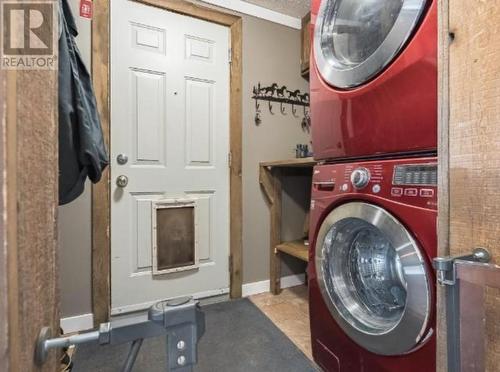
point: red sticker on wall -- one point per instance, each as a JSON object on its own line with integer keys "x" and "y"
{"x": 86, "y": 8}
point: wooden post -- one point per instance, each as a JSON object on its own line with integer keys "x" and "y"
{"x": 270, "y": 181}
{"x": 275, "y": 262}
{"x": 236, "y": 148}
{"x": 101, "y": 194}
{"x": 469, "y": 147}
{"x": 29, "y": 298}
{"x": 443, "y": 174}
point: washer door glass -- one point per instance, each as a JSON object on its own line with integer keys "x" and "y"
{"x": 356, "y": 39}
{"x": 363, "y": 275}
{"x": 373, "y": 278}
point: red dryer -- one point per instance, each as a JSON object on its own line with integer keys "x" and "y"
{"x": 371, "y": 283}
{"x": 374, "y": 78}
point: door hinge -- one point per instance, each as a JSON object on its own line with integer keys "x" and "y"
{"x": 230, "y": 55}
{"x": 229, "y": 159}
{"x": 230, "y": 263}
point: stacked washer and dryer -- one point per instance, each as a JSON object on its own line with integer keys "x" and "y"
{"x": 374, "y": 197}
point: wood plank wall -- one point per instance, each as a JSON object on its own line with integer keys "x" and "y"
{"x": 474, "y": 141}
{"x": 28, "y": 204}
{"x": 29, "y": 252}
{"x": 4, "y": 331}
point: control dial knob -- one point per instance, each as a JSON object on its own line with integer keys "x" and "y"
{"x": 360, "y": 178}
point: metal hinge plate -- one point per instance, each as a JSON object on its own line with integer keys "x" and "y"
{"x": 445, "y": 266}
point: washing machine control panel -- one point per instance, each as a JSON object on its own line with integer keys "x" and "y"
{"x": 360, "y": 178}
{"x": 415, "y": 175}
{"x": 406, "y": 181}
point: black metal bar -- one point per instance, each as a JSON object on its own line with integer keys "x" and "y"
{"x": 180, "y": 320}
{"x": 132, "y": 355}
{"x": 281, "y": 100}
{"x": 446, "y": 276}
{"x": 453, "y": 326}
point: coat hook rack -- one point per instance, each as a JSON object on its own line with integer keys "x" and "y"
{"x": 258, "y": 120}
{"x": 282, "y": 109}
{"x": 270, "y": 107}
{"x": 283, "y": 96}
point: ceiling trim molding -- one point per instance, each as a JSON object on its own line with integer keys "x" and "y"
{"x": 257, "y": 11}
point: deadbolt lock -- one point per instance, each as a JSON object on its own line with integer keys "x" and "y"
{"x": 122, "y": 159}
{"x": 122, "y": 181}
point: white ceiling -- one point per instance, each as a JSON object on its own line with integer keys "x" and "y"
{"x": 285, "y": 12}
{"x": 293, "y": 8}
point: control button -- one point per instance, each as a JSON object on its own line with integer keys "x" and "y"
{"x": 397, "y": 191}
{"x": 427, "y": 193}
{"x": 411, "y": 192}
{"x": 376, "y": 188}
{"x": 360, "y": 178}
{"x": 345, "y": 187}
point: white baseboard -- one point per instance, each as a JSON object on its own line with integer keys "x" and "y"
{"x": 250, "y": 289}
{"x": 86, "y": 321}
{"x": 254, "y": 288}
{"x": 77, "y": 323}
{"x": 293, "y": 280}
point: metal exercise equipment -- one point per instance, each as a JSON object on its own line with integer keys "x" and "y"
{"x": 446, "y": 270}
{"x": 181, "y": 320}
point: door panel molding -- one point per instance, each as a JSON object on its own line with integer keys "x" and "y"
{"x": 101, "y": 202}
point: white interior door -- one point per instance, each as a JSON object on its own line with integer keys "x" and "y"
{"x": 170, "y": 117}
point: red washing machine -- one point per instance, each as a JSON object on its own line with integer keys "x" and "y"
{"x": 371, "y": 283}
{"x": 374, "y": 78}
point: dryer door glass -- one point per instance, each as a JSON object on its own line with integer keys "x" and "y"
{"x": 373, "y": 278}
{"x": 356, "y": 39}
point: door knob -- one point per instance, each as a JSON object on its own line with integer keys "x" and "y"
{"x": 122, "y": 181}
{"x": 122, "y": 159}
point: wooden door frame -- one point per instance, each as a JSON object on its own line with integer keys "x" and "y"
{"x": 101, "y": 201}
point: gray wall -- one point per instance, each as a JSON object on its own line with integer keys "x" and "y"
{"x": 74, "y": 223}
{"x": 271, "y": 53}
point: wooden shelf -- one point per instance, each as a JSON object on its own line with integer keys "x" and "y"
{"x": 271, "y": 175}
{"x": 290, "y": 163}
{"x": 296, "y": 249}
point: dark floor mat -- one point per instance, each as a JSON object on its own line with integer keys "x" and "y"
{"x": 238, "y": 338}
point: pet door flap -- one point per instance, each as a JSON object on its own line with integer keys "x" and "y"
{"x": 174, "y": 240}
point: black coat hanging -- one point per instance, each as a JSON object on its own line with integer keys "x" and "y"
{"x": 82, "y": 152}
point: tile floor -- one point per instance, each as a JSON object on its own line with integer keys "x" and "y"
{"x": 290, "y": 312}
